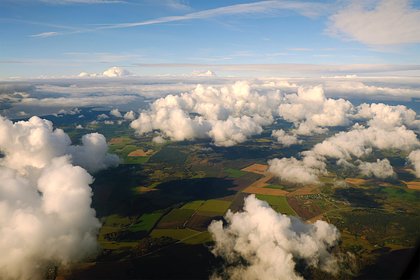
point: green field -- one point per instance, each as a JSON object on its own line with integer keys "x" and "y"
{"x": 279, "y": 203}
{"x": 146, "y": 222}
{"x": 279, "y": 187}
{"x": 178, "y": 234}
{"x": 135, "y": 160}
{"x": 214, "y": 206}
{"x": 166, "y": 201}
{"x": 177, "y": 216}
{"x": 234, "y": 173}
{"x": 403, "y": 194}
{"x": 194, "y": 205}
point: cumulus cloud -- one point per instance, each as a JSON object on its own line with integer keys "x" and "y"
{"x": 305, "y": 171}
{"x": 228, "y": 115}
{"x": 387, "y": 127}
{"x": 414, "y": 158}
{"x": 311, "y": 112}
{"x": 207, "y": 73}
{"x": 115, "y": 72}
{"x": 379, "y": 169}
{"x": 384, "y": 22}
{"x": 129, "y": 116}
{"x": 360, "y": 141}
{"x": 260, "y": 243}
{"x": 93, "y": 153}
{"x": 45, "y": 213}
{"x": 387, "y": 117}
{"x": 102, "y": 117}
{"x": 116, "y": 113}
{"x": 286, "y": 139}
{"x": 86, "y": 75}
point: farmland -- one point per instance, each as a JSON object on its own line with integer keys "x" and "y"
{"x": 160, "y": 201}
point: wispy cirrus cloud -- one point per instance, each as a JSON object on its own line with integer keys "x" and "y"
{"x": 45, "y": 34}
{"x": 307, "y": 9}
{"x": 64, "y": 2}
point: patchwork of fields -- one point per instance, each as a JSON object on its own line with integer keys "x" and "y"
{"x": 164, "y": 196}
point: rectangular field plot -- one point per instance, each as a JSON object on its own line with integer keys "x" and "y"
{"x": 146, "y": 222}
{"x": 234, "y": 173}
{"x": 214, "y": 207}
{"x": 279, "y": 203}
{"x": 194, "y": 205}
{"x": 177, "y": 218}
{"x": 184, "y": 235}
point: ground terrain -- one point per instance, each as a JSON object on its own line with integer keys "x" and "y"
{"x": 156, "y": 206}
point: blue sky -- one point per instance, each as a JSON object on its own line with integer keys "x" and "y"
{"x": 65, "y": 37}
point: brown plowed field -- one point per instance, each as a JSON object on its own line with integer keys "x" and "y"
{"x": 413, "y": 185}
{"x": 256, "y": 168}
{"x": 140, "y": 153}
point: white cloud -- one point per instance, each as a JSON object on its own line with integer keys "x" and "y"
{"x": 93, "y": 153}
{"x": 81, "y": 101}
{"x": 130, "y": 115}
{"x": 311, "y": 112}
{"x": 286, "y": 139}
{"x": 305, "y": 171}
{"x": 45, "y": 213}
{"x": 86, "y": 74}
{"x": 379, "y": 169}
{"x": 115, "y": 72}
{"x": 228, "y": 115}
{"x": 387, "y": 117}
{"x": 116, "y": 113}
{"x": 260, "y": 243}
{"x": 102, "y": 117}
{"x": 234, "y": 130}
{"x": 261, "y": 7}
{"x": 63, "y": 2}
{"x": 414, "y": 158}
{"x": 384, "y": 22}
{"x": 207, "y": 73}
{"x": 360, "y": 141}
{"x": 349, "y": 87}
{"x": 386, "y": 129}
{"x": 45, "y": 34}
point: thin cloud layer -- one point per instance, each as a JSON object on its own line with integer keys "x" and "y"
{"x": 260, "y": 243}
{"x": 45, "y": 199}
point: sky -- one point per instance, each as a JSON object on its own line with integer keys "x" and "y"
{"x": 56, "y": 38}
